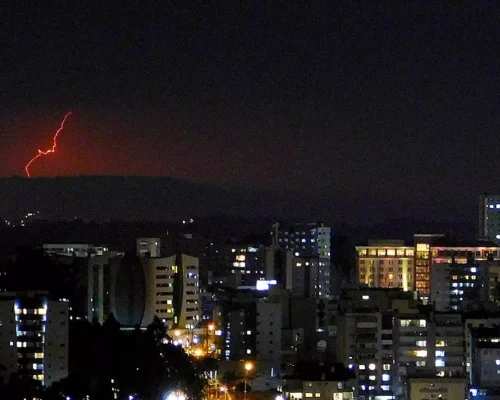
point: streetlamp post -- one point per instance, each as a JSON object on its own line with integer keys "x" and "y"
{"x": 248, "y": 367}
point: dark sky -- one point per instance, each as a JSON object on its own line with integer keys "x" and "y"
{"x": 396, "y": 104}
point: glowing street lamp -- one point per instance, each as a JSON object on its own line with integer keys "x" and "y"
{"x": 248, "y": 367}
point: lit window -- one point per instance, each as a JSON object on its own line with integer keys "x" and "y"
{"x": 440, "y": 343}
{"x": 366, "y": 297}
{"x": 372, "y": 377}
{"x": 385, "y": 388}
{"x": 386, "y": 367}
{"x": 42, "y": 311}
{"x": 372, "y": 367}
{"x": 422, "y": 343}
{"x": 440, "y": 353}
{"x": 420, "y": 353}
{"x": 309, "y": 395}
{"x": 362, "y": 367}
{"x": 439, "y": 363}
{"x": 249, "y": 351}
{"x": 386, "y": 377}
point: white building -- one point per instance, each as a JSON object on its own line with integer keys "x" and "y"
{"x": 148, "y": 246}
{"x": 172, "y": 290}
{"x": 34, "y": 337}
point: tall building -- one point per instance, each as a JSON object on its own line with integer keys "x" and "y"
{"x": 136, "y": 289}
{"x": 427, "y": 343}
{"x": 423, "y": 262}
{"x": 485, "y": 357}
{"x": 173, "y": 293}
{"x": 461, "y": 275}
{"x": 489, "y": 217}
{"x": 308, "y": 240}
{"x": 305, "y": 277}
{"x": 99, "y": 286}
{"x": 33, "y": 337}
{"x": 386, "y": 264}
{"x": 148, "y": 247}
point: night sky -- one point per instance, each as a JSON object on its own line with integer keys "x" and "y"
{"x": 396, "y": 104}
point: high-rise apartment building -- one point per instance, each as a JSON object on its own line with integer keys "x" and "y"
{"x": 99, "y": 286}
{"x": 136, "y": 289}
{"x": 33, "y": 337}
{"x": 148, "y": 247}
{"x": 309, "y": 240}
{"x": 461, "y": 275}
{"x": 489, "y": 217}
{"x": 172, "y": 288}
{"x": 386, "y": 264}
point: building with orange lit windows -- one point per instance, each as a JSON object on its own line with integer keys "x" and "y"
{"x": 386, "y": 264}
{"x": 423, "y": 262}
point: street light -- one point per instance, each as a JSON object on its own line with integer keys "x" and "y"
{"x": 248, "y": 367}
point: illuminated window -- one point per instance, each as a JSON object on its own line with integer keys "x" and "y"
{"x": 366, "y": 297}
{"x": 421, "y": 363}
{"x": 386, "y": 377}
{"x": 362, "y": 367}
{"x": 386, "y": 367}
{"x": 240, "y": 258}
{"x": 42, "y": 311}
{"x": 385, "y": 388}
{"x": 381, "y": 252}
{"x": 317, "y": 394}
{"x": 440, "y": 353}
{"x": 439, "y": 362}
{"x": 420, "y": 353}
{"x": 372, "y": 377}
{"x": 372, "y": 367}
{"x": 362, "y": 252}
{"x": 422, "y": 343}
{"x": 309, "y": 395}
{"x": 391, "y": 252}
{"x": 440, "y": 343}
{"x": 440, "y": 373}
{"x": 391, "y": 276}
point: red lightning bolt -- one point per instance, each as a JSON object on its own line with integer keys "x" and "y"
{"x": 52, "y": 150}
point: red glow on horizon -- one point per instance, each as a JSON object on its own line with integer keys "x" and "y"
{"x": 51, "y": 150}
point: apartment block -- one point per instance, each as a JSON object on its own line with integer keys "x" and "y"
{"x": 34, "y": 337}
